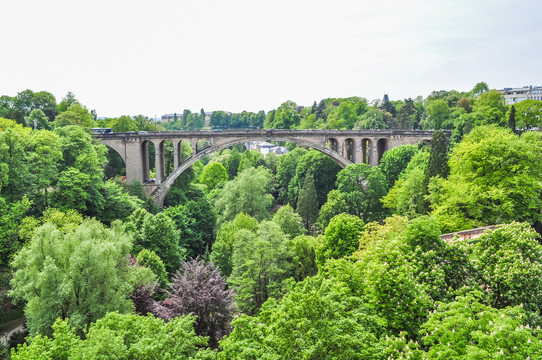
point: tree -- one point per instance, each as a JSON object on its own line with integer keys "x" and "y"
{"x": 81, "y": 172}
{"x": 123, "y": 124}
{"x": 117, "y": 336}
{"x": 247, "y": 193}
{"x": 225, "y": 239}
{"x": 334, "y": 205}
{"x": 303, "y": 250}
{"x": 341, "y": 238}
{"x": 45, "y": 154}
{"x": 200, "y": 290}
{"x": 464, "y": 103}
{"x": 214, "y": 175}
{"x": 289, "y": 221}
{"x": 479, "y": 89}
{"x": 232, "y": 163}
{"x": 285, "y": 117}
{"x": 307, "y": 203}
{"x": 389, "y": 280}
{"x": 512, "y": 119}
{"x": 324, "y": 171}
{"x": 362, "y": 187}
{"x": 149, "y": 259}
{"x": 38, "y": 120}
{"x": 80, "y": 275}
{"x": 260, "y": 265}
{"x": 438, "y": 158}
{"x": 66, "y": 102}
{"x": 395, "y": 160}
{"x": 438, "y": 115}
{"x": 343, "y": 117}
{"x": 76, "y": 114}
{"x": 510, "y": 260}
{"x": 465, "y": 328}
{"x": 286, "y": 169}
{"x": 195, "y": 221}
{"x": 373, "y": 119}
{"x": 158, "y": 233}
{"x": 14, "y": 141}
{"x": 493, "y": 179}
{"x": 318, "y": 319}
{"x": 528, "y": 113}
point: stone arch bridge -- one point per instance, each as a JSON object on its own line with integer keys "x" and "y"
{"x": 343, "y": 146}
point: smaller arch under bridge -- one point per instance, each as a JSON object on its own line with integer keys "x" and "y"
{"x": 344, "y": 146}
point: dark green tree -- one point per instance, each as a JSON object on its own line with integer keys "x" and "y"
{"x": 438, "y": 158}
{"x": 307, "y": 203}
{"x": 512, "y": 119}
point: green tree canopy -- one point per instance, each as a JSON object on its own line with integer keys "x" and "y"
{"x": 117, "y": 336}
{"x": 494, "y": 178}
{"x": 80, "y": 275}
{"x": 248, "y": 193}
{"x": 214, "y": 175}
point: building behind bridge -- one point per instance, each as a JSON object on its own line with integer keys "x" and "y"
{"x": 516, "y": 95}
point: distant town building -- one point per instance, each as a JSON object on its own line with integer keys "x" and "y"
{"x": 516, "y": 95}
{"x": 171, "y": 117}
{"x": 266, "y": 148}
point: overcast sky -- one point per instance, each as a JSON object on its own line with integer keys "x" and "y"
{"x": 155, "y": 57}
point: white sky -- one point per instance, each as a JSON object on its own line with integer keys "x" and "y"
{"x": 154, "y": 57}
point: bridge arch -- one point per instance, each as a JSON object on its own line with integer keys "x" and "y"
{"x": 161, "y": 191}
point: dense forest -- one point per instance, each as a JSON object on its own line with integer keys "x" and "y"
{"x": 275, "y": 257}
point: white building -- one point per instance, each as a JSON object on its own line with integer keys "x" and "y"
{"x": 516, "y": 95}
{"x": 266, "y": 148}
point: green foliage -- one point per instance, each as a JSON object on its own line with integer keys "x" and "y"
{"x": 14, "y": 167}
{"x": 494, "y": 178}
{"x": 423, "y": 232}
{"x": 118, "y": 336}
{"x": 438, "y": 115}
{"x": 232, "y": 163}
{"x": 438, "y": 157}
{"x": 334, "y": 205}
{"x": 467, "y": 329}
{"x": 390, "y": 281}
{"x": 286, "y": 169}
{"x": 317, "y": 319}
{"x": 260, "y": 264}
{"x": 285, "y": 117}
{"x": 307, "y": 203}
{"x": 373, "y": 119}
{"x": 341, "y": 238}
{"x": 195, "y": 221}
{"x": 148, "y": 258}
{"x": 323, "y": 169}
{"x": 38, "y": 120}
{"x": 343, "y": 117}
{"x": 123, "y": 124}
{"x": 303, "y": 251}
{"x": 159, "y": 234}
{"x": 80, "y": 275}
{"x": 214, "y": 175}
{"x": 395, "y": 161}
{"x": 362, "y": 186}
{"x": 527, "y": 114}
{"x": 510, "y": 262}
{"x": 119, "y": 203}
{"x": 222, "y": 252}
{"x": 247, "y": 193}
{"x": 11, "y": 218}
{"x": 289, "y": 221}
{"x": 76, "y": 114}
